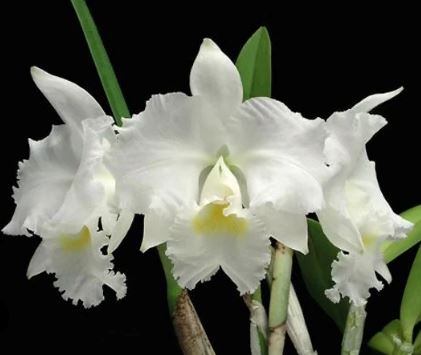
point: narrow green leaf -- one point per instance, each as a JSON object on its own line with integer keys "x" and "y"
{"x": 316, "y": 271}
{"x": 392, "y": 249}
{"x": 254, "y": 65}
{"x": 383, "y": 341}
{"x": 102, "y": 62}
{"x": 413, "y": 214}
{"x": 411, "y": 301}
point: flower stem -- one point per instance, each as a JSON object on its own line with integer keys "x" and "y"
{"x": 258, "y": 323}
{"x": 402, "y": 347}
{"x": 296, "y": 326}
{"x": 102, "y": 62}
{"x": 191, "y": 336}
{"x": 173, "y": 290}
{"x": 279, "y": 295}
{"x": 354, "y": 329}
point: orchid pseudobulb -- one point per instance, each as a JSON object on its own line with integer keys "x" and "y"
{"x": 216, "y": 177}
{"x": 64, "y": 189}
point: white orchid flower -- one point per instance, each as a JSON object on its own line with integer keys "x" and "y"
{"x": 216, "y": 177}
{"x": 64, "y": 188}
{"x": 356, "y": 217}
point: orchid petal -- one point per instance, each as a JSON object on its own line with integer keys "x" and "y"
{"x": 372, "y": 101}
{"x": 280, "y": 154}
{"x": 39, "y": 261}
{"x": 72, "y": 103}
{"x": 197, "y": 256}
{"x": 44, "y": 180}
{"x": 215, "y": 78}
{"x": 354, "y": 274}
{"x": 356, "y": 212}
{"x": 158, "y": 220}
{"x": 79, "y": 266}
{"x": 120, "y": 230}
{"x": 368, "y": 207}
{"x": 348, "y": 134}
{"x": 288, "y": 228}
{"x": 87, "y": 194}
{"x": 163, "y": 151}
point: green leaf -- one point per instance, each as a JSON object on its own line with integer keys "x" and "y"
{"x": 392, "y": 249}
{"x": 383, "y": 341}
{"x": 411, "y": 301}
{"x": 316, "y": 271}
{"x": 257, "y": 296}
{"x": 102, "y": 62}
{"x": 254, "y": 65}
{"x": 413, "y": 214}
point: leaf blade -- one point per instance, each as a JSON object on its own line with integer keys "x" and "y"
{"x": 410, "y": 312}
{"x": 255, "y": 65}
{"x": 102, "y": 62}
{"x": 392, "y": 249}
{"x": 315, "y": 268}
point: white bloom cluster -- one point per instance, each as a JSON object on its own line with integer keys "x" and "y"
{"x": 215, "y": 177}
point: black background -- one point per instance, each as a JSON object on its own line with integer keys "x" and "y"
{"x": 324, "y": 59}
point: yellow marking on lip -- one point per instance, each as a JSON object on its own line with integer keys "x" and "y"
{"x": 211, "y": 221}
{"x": 76, "y": 242}
{"x": 369, "y": 241}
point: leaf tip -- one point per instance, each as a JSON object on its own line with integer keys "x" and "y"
{"x": 264, "y": 30}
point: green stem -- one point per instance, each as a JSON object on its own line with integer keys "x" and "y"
{"x": 258, "y": 322}
{"x": 296, "y": 326}
{"x": 279, "y": 295}
{"x": 262, "y": 327}
{"x": 173, "y": 290}
{"x": 403, "y": 349}
{"x": 102, "y": 62}
{"x": 354, "y": 329}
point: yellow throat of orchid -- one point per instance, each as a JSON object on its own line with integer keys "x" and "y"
{"x": 221, "y": 204}
{"x": 76, "y": 242}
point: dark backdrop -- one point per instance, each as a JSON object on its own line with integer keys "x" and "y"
{"x": 324, "y": 59}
